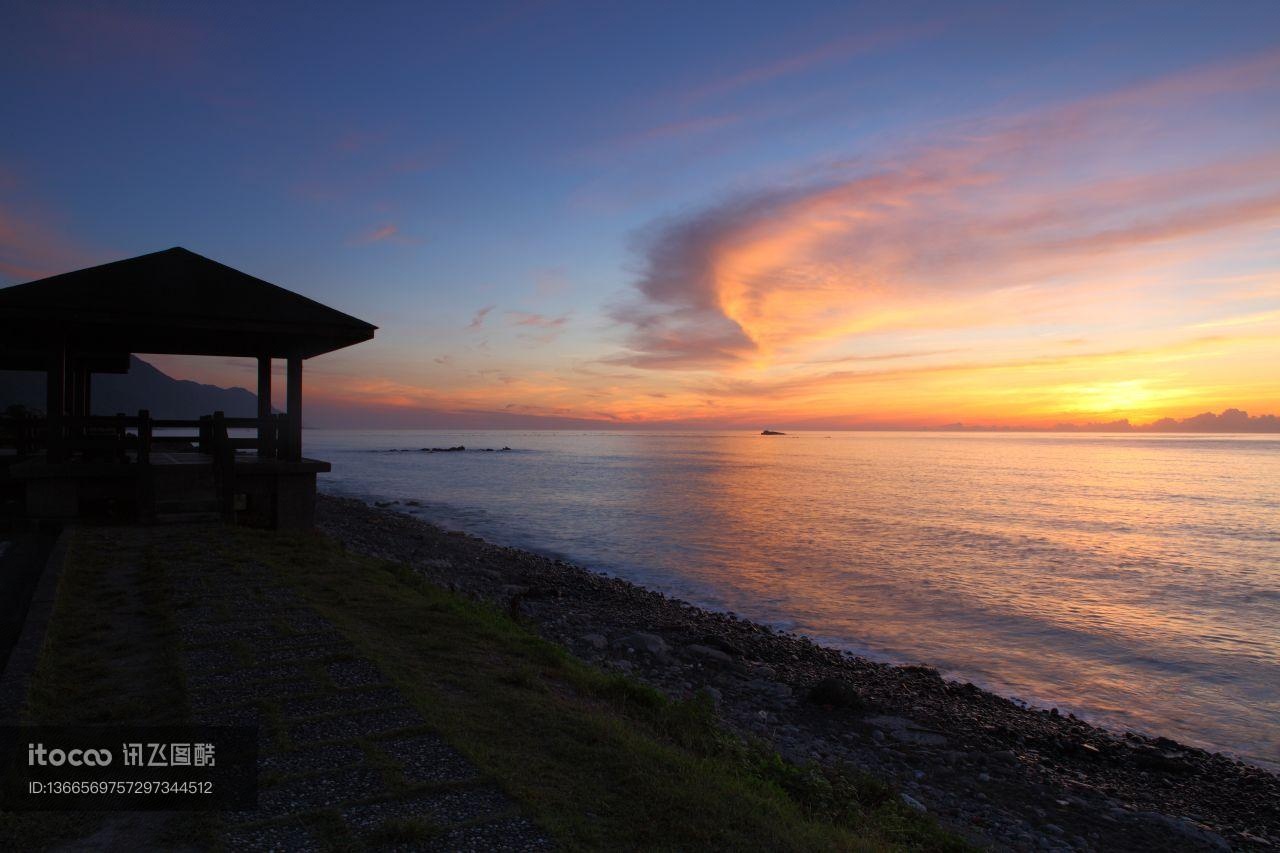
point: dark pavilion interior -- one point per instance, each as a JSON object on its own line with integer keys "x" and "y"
{"x": 68, "y": 462}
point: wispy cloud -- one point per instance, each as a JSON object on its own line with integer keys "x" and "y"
{"x": 674, "y": 130}
{"x": 549, "y": 328}
{"x": 362, "y": 166}
{"x": 713, "y": 105}
{"x": 478, "y": 319}
{"x": 842, "y": 49}
{"x": 389, "y": 233}
{"x": 525, "y": 318}
{"x": 1254, "y": 319}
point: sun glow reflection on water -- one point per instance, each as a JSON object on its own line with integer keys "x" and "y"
{"x": 1132, "y": 580}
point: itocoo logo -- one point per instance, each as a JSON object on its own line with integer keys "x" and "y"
{"x": 37, "y": 754}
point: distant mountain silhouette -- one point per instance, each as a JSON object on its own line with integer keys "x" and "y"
{"x": 143, "y": 387}
{"x": 1231, "y": 420}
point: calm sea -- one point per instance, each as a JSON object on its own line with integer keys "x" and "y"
{"x": 1132, "y": 580}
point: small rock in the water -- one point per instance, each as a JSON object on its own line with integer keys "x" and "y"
{"x": 771, "y": 432}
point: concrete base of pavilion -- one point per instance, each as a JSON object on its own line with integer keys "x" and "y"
{"x": 174, "y": 486}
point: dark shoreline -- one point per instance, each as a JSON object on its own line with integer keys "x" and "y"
{"x": 1001, "y": 772}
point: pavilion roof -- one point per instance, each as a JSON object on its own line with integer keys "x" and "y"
{"x": 173, "y": 301}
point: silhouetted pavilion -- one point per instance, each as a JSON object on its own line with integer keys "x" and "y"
{"x": 74, "y": 325}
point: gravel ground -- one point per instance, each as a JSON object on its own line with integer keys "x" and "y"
{"x": 337, "y": 739}
{"x": 1002, "y": 774}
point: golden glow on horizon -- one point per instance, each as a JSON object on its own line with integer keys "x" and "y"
{"x": 1143, "y": 385}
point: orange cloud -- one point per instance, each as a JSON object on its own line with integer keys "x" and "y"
{"x": 1024, "y": 215}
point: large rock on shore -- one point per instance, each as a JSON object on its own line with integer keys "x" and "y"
{"x": 836, "y": 693}
{"x": 906, "y": 731}
{"x": 708, "y": 655}
{"x": 649, "y": 644}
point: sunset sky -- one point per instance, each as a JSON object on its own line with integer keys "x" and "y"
{"x": 784, "y": 215}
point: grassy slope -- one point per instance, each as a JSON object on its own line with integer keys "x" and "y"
{"x": 599, "y": 760}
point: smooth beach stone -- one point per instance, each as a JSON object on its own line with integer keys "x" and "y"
{"x": 912, "y": 802}
{"x": 708, "y": 654}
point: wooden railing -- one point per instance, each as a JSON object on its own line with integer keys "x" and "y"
{"x": 135, "y": 437}
{"x": 130, "y": 439}
{"x": 24, "y": 433}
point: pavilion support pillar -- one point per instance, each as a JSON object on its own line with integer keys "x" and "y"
{"x": 294, "y": 394}
{"x": 55, "y": 398}
{"x": 77, "y": 399}
{"x": 71, "y": 388}
{"x": 266, "y": 435}
{"x": 86, "y": 391}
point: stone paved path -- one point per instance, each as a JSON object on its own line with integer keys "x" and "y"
{"x": 344, "y": 760}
